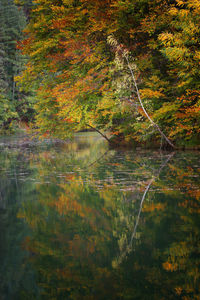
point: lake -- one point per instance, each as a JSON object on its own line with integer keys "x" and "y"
{"x": 81, "y": 221}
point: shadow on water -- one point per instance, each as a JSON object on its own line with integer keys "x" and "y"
{"x": 80, "y": 221}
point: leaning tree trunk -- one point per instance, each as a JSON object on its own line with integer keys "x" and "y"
{"x": 143, "y": 108}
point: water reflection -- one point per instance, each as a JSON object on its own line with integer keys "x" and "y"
{"x": 86, "y": 222}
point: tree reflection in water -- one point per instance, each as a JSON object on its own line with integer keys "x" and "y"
{"x": 87, "y": 215}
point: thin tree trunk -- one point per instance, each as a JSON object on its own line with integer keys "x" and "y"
{"x": 143, "y": 108}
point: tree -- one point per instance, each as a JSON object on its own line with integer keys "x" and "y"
{"x": 12, "y": 106}
{"x": 77, "y": 71}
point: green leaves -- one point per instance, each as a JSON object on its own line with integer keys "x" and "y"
{"x": 77, "y": 65}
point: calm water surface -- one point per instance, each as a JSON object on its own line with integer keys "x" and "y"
{"x": 80, "y": 221}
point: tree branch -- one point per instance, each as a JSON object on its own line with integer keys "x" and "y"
{"x": 103, "y": 135}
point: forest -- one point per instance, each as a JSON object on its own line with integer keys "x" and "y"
{"x": 128, "y": 69}
{"x": 96, "y": 96}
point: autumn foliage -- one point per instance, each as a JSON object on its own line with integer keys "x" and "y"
{"x": 80, "y": 80}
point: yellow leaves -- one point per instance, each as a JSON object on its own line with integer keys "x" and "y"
{"x": 58, "y": 9}
{"x": 190, "y": 30}
{"x": 167, "y": 108}
{"x": 107, "y": 106}
{"x": 195, "y": 4}
{"x": 173, "y": 11}
{"x": 180, "y": 128}
{"x": 184, "y": 13}
{"x": 187, "y": 27}
{"x": 175, "y": 53}
{"x": 166, "y": 38}
{"x": 149, "y": 93}
{"x": 180, "y": 2}
{"x": 106, "y": 103}
{"x": 26, "y": 79}
{"x": 179, "y": 13}
{"x": 42, "y": 48}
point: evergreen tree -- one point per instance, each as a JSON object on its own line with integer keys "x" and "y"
{"x": 13, "y": 21}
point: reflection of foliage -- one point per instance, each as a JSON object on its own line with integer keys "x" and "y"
{"x": 81, "y": 215}
{"x": 181, "y": 255}
{"x": 73, "y": 238}
{"x": 86, "y": 221}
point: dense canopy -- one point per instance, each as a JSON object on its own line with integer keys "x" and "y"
{"x": 83, "y": 58}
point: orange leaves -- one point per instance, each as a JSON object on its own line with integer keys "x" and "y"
{"x": 166, "y": 38}
{"x": 189, "y": 113}
{"x": 169, "y": 266}
{"x": 22, "y": 45}
{"x": 74, "y": 50}
{"x": 149, "y": 93}
{"x": 60, "y": 23}
{"x": 68, "y": 48}
{"x": 183, "y": 114}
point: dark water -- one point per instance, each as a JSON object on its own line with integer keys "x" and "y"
{"x": 80, "y": 221}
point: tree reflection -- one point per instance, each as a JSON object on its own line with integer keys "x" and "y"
{"x": 82, "y": 224}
